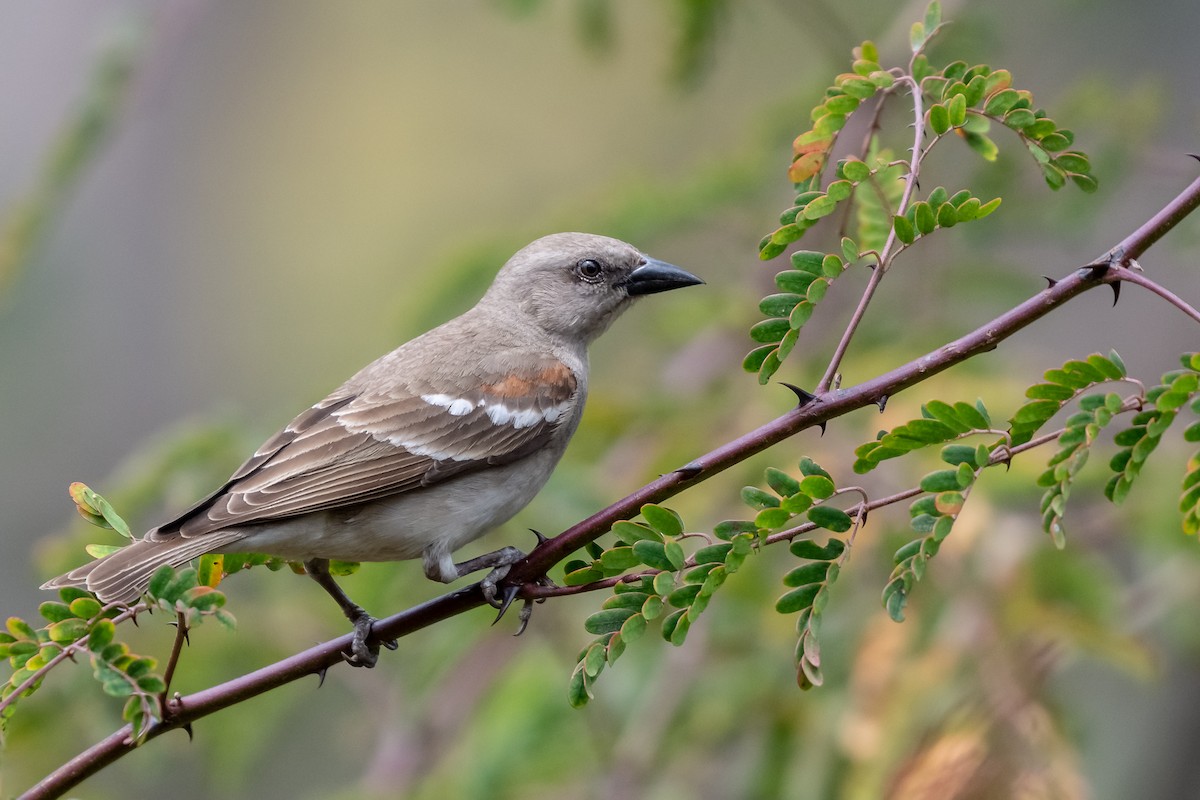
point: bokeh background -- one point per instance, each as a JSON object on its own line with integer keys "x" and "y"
{"x": 214, "y": 212}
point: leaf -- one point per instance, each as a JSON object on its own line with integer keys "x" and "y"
{"x": 807, "y": 573}
{"x": 607, "y": 620}
{"x": 818, "y": 487}
{"x": 769, "y": 330}
{"x": 807, "y": 548}
{"x": 781, "y": 483}
{"x": 653, "y": 554}
{"x": 665, "y": 521}
{"x": 833, "y": 519}
{"x": 797, "y": 599}
{"x": 631, "y": 532}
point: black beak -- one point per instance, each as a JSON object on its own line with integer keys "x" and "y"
{"x": 658, "y": 276}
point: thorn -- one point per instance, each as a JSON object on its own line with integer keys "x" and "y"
{"x": 1193, "y": 155}
{"x": 804, "y": 397}
{"x": 321, "y": 675}
{"x": 1050, "y": 282}
{"x": 1098, "y": 271}
{"x": 541, "y": 537}
{"x": 390, "y": 644}
{"x": 822, "y": 426}
{"x": 862, "y": 516}
{"x": 882, "y": 402}
{"x": 510, "y": 594}
{"x": 187, "y": 728}
{"x": 689, "y": 470}
{"x": 1116, "y": 287}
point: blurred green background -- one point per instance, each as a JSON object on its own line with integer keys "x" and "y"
{"x": 253, "y": 200}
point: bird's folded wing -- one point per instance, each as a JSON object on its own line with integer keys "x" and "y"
{"x": 359, "y": 446}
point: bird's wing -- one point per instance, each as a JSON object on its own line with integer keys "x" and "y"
{"x": 354, "y": 447}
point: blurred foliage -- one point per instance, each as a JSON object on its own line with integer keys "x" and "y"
{"x": 94, "y": 117}
{"x": 697, "y": 25}
{"x": 1010, "y": 663}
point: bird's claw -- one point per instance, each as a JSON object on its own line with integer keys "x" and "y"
{"x": 509, "y": 594}
{"x": 501, "y": 595}
{"x": 363, "y": 651}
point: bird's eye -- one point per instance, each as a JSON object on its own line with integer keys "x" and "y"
{"x": 589, "y": 269}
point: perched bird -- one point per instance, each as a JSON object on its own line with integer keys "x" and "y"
{"x": 426, "y": 448}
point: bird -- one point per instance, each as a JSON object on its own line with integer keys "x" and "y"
{"x": 426, "y": 448}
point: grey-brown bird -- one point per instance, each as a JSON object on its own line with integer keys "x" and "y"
{"x": 424, "y": 449}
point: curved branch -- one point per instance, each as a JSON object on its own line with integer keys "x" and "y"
{"x": 1130, "y": 276}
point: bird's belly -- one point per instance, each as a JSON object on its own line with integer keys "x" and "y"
{"x": 400, "y": 527}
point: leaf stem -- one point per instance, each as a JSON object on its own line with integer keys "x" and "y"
{"x": 910, "y": 184}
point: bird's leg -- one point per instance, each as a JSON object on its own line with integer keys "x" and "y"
{"x": 500, "y": 562}
{"x": 439, "y": 566}
{"x": 364, "y": 652}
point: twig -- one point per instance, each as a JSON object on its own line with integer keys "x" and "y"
{"x": 77, "y": 646}
{"x": 910, "y": 184}
{"x": 1130, "y": 276}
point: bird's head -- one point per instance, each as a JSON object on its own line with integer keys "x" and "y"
{"x": 575, "y": 284}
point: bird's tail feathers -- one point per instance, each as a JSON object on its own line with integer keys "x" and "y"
{"x": 123, "y": 576}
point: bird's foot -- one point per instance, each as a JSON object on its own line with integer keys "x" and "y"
{"x": 364, "y": 652}
{"x": 498, "y": 594}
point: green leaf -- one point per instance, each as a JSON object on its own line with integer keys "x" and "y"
{"x": 985, "y": 147}
{"x": 782, "y": 483}
{"x": 619, "y": 559}
{"x": 68, "y": 630}
{"x": 939, "y": 118}
{"x": 933, "y": 16}
{"x": 818, "y": 487}
{"x": 807, "y": 573}
{"x": 54, "y": 611}
{"x": 631, "y": 532}
{"x": 664, "y": 584}
{"x": 833, "y": 519}
{"x": 957, "y": 109}
{"x": 924, "y": 218}
{"x": 797, "y": 599}
{"x": 770, "y": 518}
{"x": 904, "y": 229}
{"x": 662, "y": 519}
{"x": 807, "y": 548}
{"x": 769, "y": 330}
{"x": 855, "y": 170}
{"x": 820, "y": 207}
{"x": 653, "y": 554}
{"x": 101, "y": 635}
{"x": 802, "y": 312}
{"x": 160, "y": 580}
{"x": 916, "y": 37}
{"x": 940, "y": 481}
{"x": 608, "y": 620}
{"x": 577, "y": 692}
{"x": 755, "y": 358}
{"x": 757, "y": 498}
{"x": 779, "y": 305}
{"x": 582, "y": 576}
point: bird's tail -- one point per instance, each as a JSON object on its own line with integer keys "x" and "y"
{"x": 123, "y": 576}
